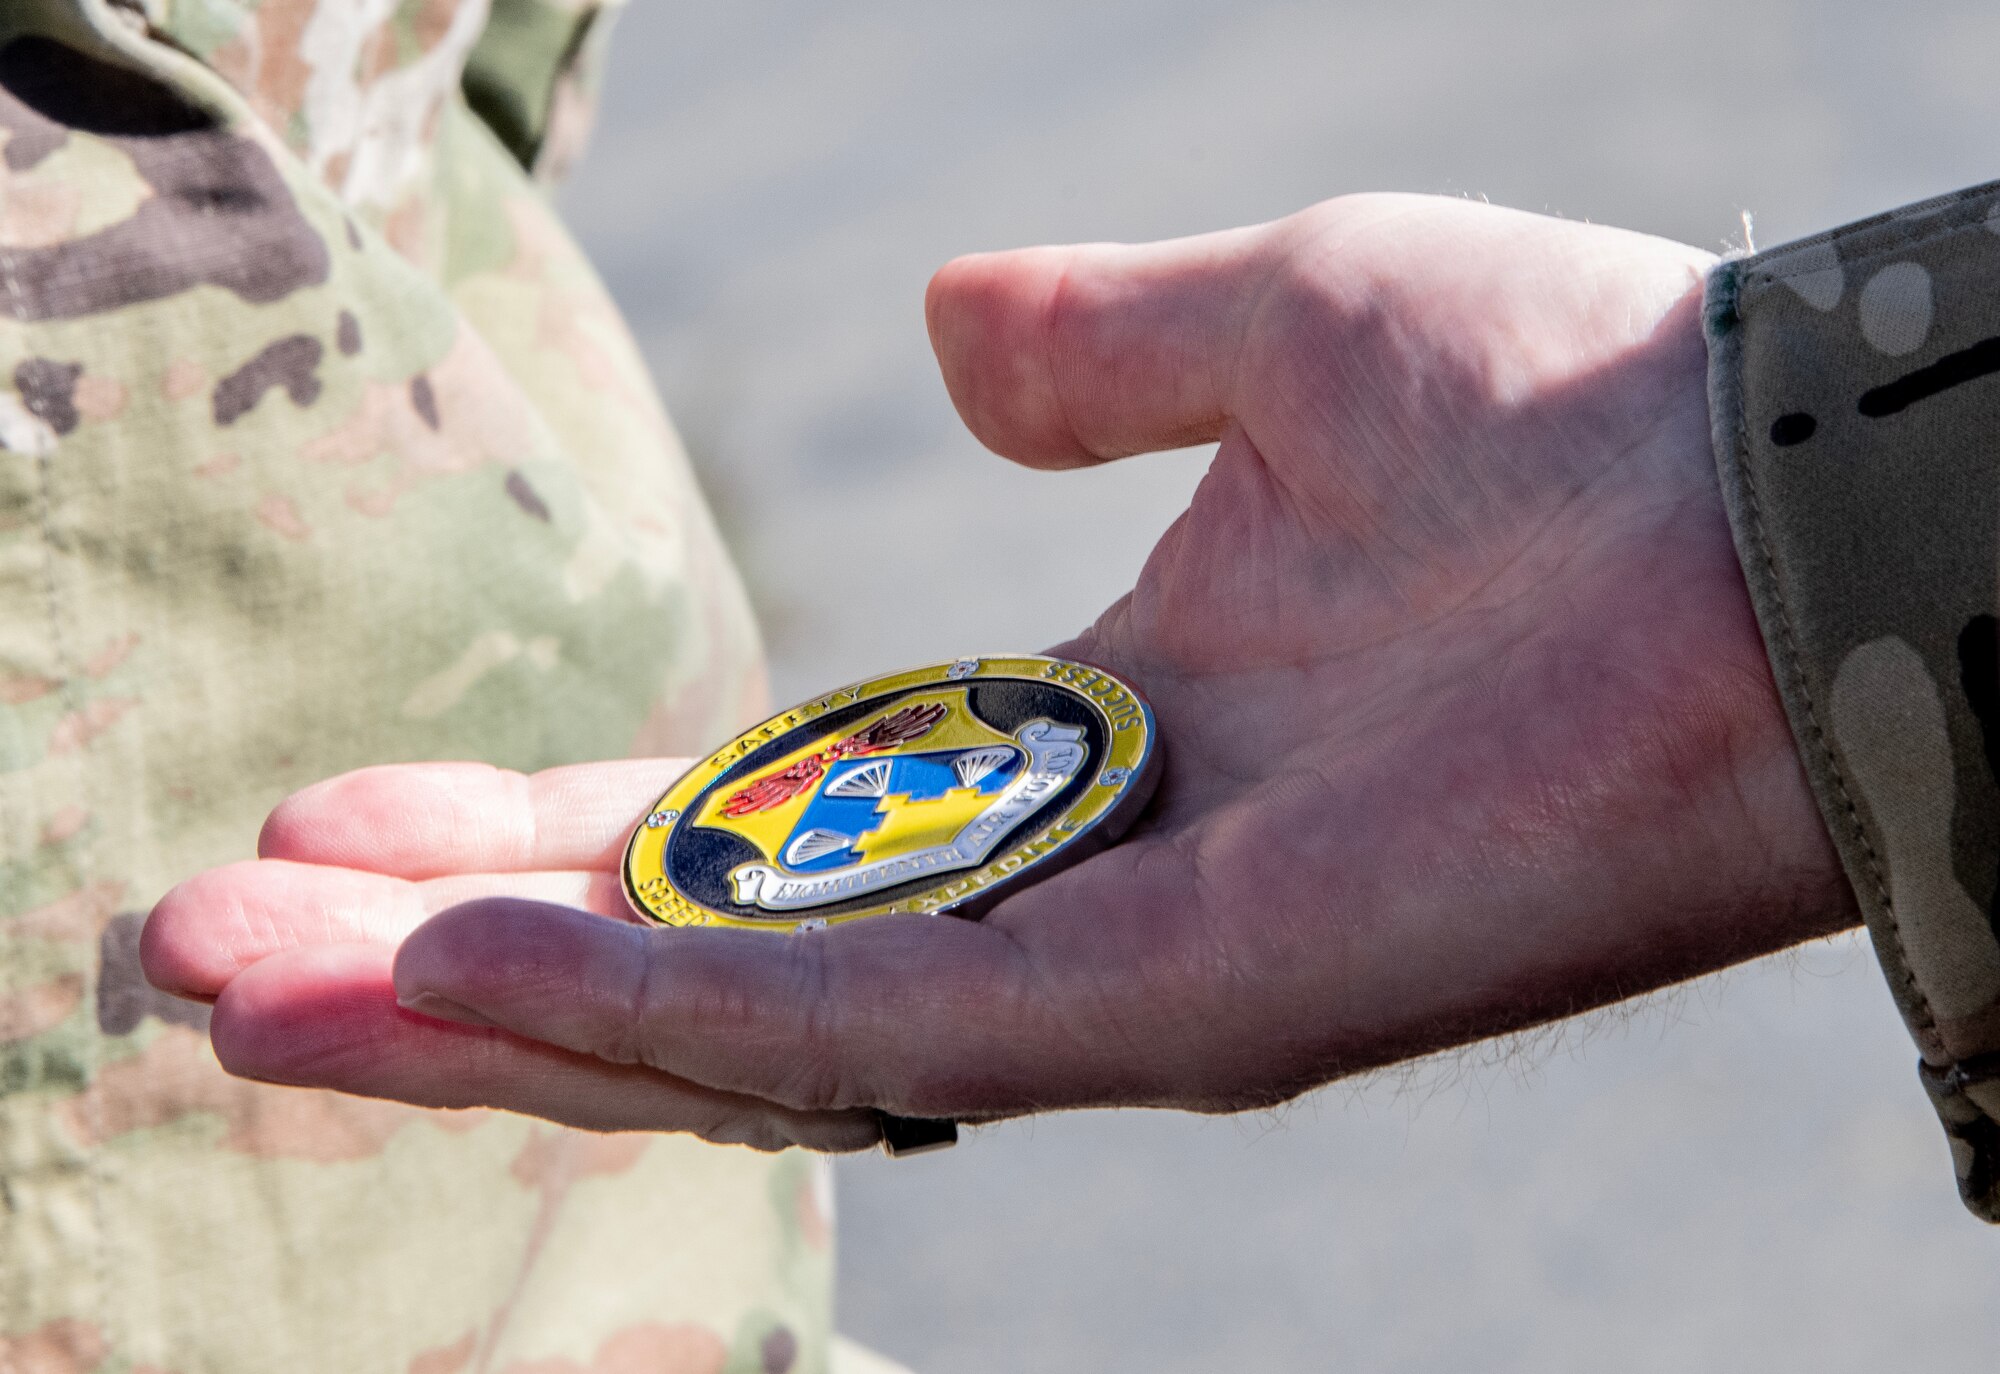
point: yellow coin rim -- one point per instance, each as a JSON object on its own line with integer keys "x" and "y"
{"x": 1128, "y": 726}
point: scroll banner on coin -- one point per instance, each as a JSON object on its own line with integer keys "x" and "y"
{"x": 1055, "y": 754}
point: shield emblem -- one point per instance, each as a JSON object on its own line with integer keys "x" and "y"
{"x": 921, "y": 786}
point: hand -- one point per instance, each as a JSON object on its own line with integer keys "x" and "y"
{"x": 296, "y": 949}
{"x": 1468, "y": 726}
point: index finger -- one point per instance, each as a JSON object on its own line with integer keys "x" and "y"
{"x": 432, "y": 820}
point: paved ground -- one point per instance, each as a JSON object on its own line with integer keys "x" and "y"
{"x": 1742, "y": 1177}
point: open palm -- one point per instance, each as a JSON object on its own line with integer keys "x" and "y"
{"x": 1467, "y": 724}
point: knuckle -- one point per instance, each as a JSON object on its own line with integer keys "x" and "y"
{"x": 737, "y": 1012}
{"x": 769, "y": 1131}
{"x": 755, "y": 1130}
{"x": 812, "y": 1077}
{"x": 641, "y": 1035}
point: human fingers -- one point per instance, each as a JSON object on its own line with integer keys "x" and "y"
{"x": 1060, "y": 357}
{"x": 924, "y": 1016}
{"x": 327, "y": 1018}
{"x": 216, "y": 924}
{"x": 429, "y": 820}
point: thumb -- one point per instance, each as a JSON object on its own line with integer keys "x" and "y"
{"x": 1060, "y": 357}
{"x": 924, "y": 1015}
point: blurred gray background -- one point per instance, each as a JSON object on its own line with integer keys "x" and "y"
{"x": 1740, "y": 1176}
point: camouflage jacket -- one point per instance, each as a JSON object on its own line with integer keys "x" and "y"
{"x": 1855, "y": 403}
{"x": 319, "y": 446}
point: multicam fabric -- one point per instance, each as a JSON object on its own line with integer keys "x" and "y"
{"x": 321, "y": 446}
{"x": 1855, "y": 394}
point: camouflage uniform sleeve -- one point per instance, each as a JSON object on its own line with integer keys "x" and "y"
{"x": 533, "y": 77}
{"x": 1853, "y": 386}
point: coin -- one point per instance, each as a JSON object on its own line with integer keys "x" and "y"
{"x": 935, "y": 791}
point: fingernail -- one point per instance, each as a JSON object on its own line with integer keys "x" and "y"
{"x": 442, "y": 1009}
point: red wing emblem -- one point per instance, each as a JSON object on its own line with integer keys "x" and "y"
{"x": 775, "y": 789}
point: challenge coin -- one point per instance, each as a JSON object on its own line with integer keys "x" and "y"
{"x": 934, "y": 791}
